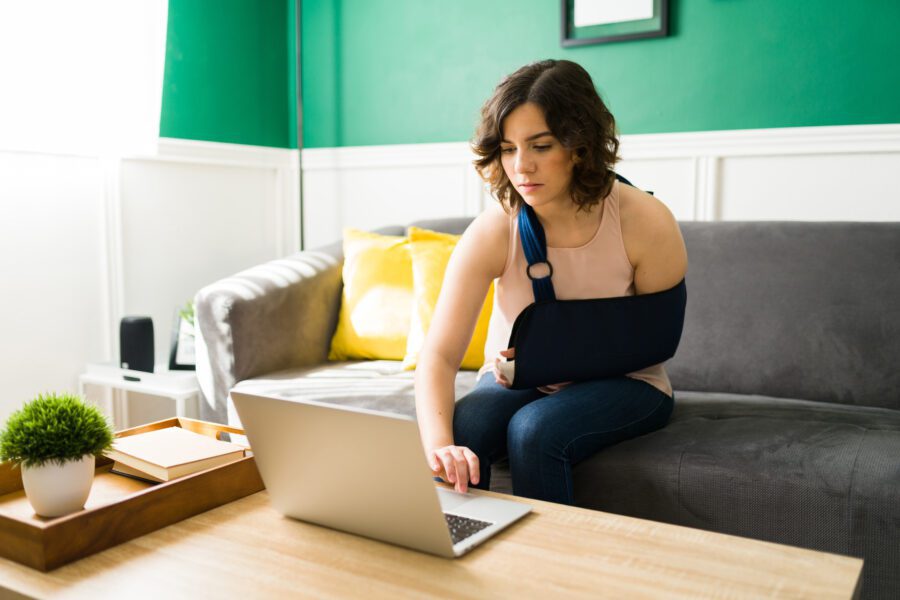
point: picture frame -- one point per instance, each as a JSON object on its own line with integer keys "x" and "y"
{"x": 587, "y": 22}
{"x": 182, "y": 355}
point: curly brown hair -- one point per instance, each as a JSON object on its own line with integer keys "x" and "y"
{"x": 576, "y": 116}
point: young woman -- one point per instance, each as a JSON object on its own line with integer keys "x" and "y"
{"x": 545, "y": 139}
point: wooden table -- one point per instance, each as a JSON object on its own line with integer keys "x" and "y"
{"x": 247, "y": 550}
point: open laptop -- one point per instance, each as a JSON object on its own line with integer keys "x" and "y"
{"x": 363, "y": 472}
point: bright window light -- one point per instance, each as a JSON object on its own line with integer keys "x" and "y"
{"x": 81, "y": 77}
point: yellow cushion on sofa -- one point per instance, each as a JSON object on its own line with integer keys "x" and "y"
{"x": 431, "y": 252}
{"x": 377, "y": 300}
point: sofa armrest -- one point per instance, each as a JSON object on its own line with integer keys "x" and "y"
{"x": 275, "y": 316}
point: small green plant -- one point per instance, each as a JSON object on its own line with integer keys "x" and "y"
{"x": 187, "y": 313}
{"x": 54, "y": 427}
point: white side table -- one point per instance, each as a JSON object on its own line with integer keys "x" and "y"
{"x": 180, "y": 386}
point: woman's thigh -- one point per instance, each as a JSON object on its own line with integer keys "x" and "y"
{"x": 582, "y": 418}
{"x": 480, "y": 418}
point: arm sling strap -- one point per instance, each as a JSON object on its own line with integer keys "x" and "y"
{"x": 578, "y": 340}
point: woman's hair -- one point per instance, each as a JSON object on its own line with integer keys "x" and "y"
{"x": 576, "y": 116}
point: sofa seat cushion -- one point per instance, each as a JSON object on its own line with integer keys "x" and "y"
{"x": 694, "y": 405}
{"x": 380, "y": 385}
{"x": 810, "y": 474}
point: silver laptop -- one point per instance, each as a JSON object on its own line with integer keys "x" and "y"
{"x": 363, "y": 472}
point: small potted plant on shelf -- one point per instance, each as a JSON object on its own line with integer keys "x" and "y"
{"x": 55, "y": 439}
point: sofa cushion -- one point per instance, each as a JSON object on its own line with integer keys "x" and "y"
{"x": 430, "y": 252}
{"x": 377, "y": 297}
{"x": 810, "y": 474}
{"x": 380, "y": 385}
{"x": 793, "y": 310}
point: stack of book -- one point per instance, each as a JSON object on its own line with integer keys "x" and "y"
{"x": 166, "y": 454}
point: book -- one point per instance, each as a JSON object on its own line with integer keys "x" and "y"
{"x": 166, "y": 454}
{"x": 123, "y": 469}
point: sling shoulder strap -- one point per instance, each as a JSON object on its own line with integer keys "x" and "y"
{"x": 534, "y": 244}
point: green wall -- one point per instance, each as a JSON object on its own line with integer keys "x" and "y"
{"x": 227, "y": 72}
{"x": 408, "y": 71}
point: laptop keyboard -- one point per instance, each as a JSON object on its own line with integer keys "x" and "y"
{"x": 463, "y": 527}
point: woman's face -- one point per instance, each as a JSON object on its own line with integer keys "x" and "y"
{"x": 535, "y": 162}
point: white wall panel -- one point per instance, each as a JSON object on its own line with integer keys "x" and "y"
{"x": 799, "y": 173}
{"x": 322, "y": 213}
{"x": 186, "y": 225}
{"x": 373, "y": 186}
{"x": 373, "y": 196}
{"x": 84, "y": 241}
{"x": 670, "y": 179}
{"x": 849, "y": 187}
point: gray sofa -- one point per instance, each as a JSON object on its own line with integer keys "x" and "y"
{"x": 787, "y": 404}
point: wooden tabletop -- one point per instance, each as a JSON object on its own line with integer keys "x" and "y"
{"x": 245, "y": 549}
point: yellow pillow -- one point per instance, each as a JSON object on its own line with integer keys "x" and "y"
{"x": 430, "y": 252}
{"x": 377, "y": 299}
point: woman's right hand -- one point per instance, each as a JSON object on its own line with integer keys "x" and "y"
{"x": 455, "y": 464}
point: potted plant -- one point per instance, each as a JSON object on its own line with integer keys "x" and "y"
{"x": 55, "y": 439}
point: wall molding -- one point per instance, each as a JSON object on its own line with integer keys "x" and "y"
{"x": 368, "y": 157}
{"x": 221, "y": 154}
{"x": 838, "y": 139}
{"x": 696, "y": 173}
{"x": 113, "y": 288}
{"x": 282, "y": 161}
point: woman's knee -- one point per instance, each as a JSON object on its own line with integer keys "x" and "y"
{"x": 481, "y": 417}
{"x": 527, "y": 432}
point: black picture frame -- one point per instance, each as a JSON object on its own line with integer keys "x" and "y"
{"x": 181, "y": 351}
{"x": 573, "y": 36}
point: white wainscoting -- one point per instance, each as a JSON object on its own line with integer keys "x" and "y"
{"x": 371, "y": 186}
{"x": 847, "y": 173}
{"x": 85, "y": 240}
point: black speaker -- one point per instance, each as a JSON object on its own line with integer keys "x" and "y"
{"x": 136, "y": 343}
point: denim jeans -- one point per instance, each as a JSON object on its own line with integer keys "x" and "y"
{"x": 545, "y": 435}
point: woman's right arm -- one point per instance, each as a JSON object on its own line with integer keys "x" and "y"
{"x": 477, "y": 260}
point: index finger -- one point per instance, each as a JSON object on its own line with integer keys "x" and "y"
{"x": 461, "y": 468}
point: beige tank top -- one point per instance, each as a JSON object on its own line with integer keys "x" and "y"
{"x": 598, "y": 269}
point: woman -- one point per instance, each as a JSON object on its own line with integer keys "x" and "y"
{"x": 545, "y": 139}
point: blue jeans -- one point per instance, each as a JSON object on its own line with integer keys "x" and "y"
{"x": 545, "y": 435}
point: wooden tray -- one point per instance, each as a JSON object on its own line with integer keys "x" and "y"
{"x": 119, "y": 508}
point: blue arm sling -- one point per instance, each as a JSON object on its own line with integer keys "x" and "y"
{"x": 580, "y": 340}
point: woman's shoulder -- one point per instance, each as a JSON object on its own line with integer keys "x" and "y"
{"x": 635, "y": 203}
{"x": 488, "y": 238}
{"x": 642, "y": 214}
{"x": 492, "y": 224}
{"x": 647, "y": 223}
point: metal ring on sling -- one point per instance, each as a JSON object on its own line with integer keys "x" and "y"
{"x": 532, "y": 277}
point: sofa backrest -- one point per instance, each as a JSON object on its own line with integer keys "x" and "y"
{"x": 454, "y": 225}
{"x": 803, "y": 310}
{"x": 794, "y": 310}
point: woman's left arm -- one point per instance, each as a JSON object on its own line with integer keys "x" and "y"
{"x": 653, "y": 242}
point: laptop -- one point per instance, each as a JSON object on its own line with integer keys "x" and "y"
{"x": 363, "y": 472}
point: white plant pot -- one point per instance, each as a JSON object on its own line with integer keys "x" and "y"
{"x": 55, "y": 490}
